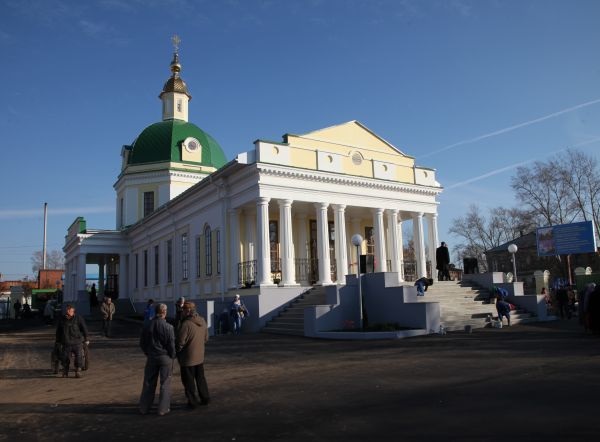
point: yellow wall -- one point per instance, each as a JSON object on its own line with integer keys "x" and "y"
{"x": 336, "y": 148}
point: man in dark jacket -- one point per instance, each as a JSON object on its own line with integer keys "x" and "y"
{"x": 191, "y": 337}
{"x": 178, "y": 313}
{"x": 158, "y": 343}
{"x": 71, "y": 332}
{"x": 442, "y": 260}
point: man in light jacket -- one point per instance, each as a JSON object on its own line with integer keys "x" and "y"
{"x": 191, "y": 337}
{"x": 108, "y": 310}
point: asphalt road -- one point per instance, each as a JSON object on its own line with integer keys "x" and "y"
{"x": 534, "y": 382}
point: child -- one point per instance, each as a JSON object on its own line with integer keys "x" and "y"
{"x": 422, "y": 284}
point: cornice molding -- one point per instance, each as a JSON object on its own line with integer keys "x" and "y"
{"x": 347, "y": 180}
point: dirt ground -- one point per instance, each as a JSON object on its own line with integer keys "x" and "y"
{"x": 537, "y": 382}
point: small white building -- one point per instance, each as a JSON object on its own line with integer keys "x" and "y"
{"x": 277, "y": 218}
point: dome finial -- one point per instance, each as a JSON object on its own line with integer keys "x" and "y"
{"x": 176, "y": 40}
{"x": 175, "y": 66}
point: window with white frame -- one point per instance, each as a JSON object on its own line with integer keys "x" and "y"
{"x": 207, "y": 251}
{"x": 156, "y": 266}
{"x": 170, "y": 261}
{"x": 198, "y": 253}
{"x": 137, "y": 270}
{"x": 184, "y": 257}
{"x": 148, "y": 203}
{"x": 146, "y": 268}
{"x": 218, "y": 245}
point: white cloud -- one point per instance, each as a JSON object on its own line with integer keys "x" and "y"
{"x": 511, "y": 128}
{"x": 520, "y": 163}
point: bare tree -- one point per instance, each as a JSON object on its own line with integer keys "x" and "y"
{"x": 581, "y": 176}
{"x": 55, "y": 260}
{"x": 559, "y": 191}
{"x": 543, "y": 190}
{"x": 480, "y": 233}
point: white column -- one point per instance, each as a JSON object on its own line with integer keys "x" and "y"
{"x": 70, "y": 292}
{"x": 400, "y": 252}
{"x": 81, "y": 275}
{"x": 341, "y": 246}
{"x": 302, "y": 248}
{"x": 419, "y": 244}
{"x": 101, "y": 276}
{"x": 356, "y": 252}
{"x": 323, "y": 244}
{"x": 288, "y": 271}
{"x": 433, "y": 242}
{"x": 262, "y": 236}
{"x": 81, "y": 295}
{"x": 380, "y": 254}
{"x": 123, "y": 276}
{"x": 394, "y": 246}
{"x": 234, "y": 247}
{"x": 250, "y": 233}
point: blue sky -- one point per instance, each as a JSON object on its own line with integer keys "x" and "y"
{"x": 470, "y": 88}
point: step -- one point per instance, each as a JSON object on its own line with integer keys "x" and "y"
{"x": 283, "y": 331}
{"x": 291, "y": 319}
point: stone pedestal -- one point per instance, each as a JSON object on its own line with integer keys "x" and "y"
{"x": 542, "y": 280}
{"x": 583, "y": 271}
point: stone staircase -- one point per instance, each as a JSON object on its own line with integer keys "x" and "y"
{"x": 462, "y": 304}
{"x": 290, "y": 320}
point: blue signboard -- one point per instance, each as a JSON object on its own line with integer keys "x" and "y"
{"x": 566, "y": 239}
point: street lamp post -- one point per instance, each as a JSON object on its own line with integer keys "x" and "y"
{"x": 512, "y": 249}
{"x": 357, "y": 241}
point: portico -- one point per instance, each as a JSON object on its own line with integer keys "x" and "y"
{"x": 293, "y": 246}
{"x": 315, "y": 192}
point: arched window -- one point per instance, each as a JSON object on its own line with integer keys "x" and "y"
{"x": 208, "y": 250}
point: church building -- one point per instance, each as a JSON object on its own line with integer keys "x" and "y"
{"x": 268, "y": 224}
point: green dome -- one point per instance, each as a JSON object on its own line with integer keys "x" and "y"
{"x": 161, "y": 142}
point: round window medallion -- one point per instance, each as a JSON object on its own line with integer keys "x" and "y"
{"x": 191, "y": 144}
{"x": 357, "y": 158}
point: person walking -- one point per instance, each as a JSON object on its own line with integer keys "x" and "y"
{"x": 108, "y": 310}
{"x": 71, "y": 334}
{"x": 562, "y": 298}
{"x": 191, "y": 337}
{"x": 49, "y": 312}
{"x": 584, "y": 300}
{"x": 442, "y": 260}
{"x": 158, "y": 344}
{"x": 238, "y": 312}
{"x": 503, "y": 309}
{"x": 93, "y": 296}
{"x": 17, "y": 307}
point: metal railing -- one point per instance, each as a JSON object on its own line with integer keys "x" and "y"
{"x": 247, "y": 273}
{"x": 410, "y": 270}
{"x": 308, "y": 270}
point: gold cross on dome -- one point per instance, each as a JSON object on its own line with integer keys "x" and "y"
{"x": 176, "y": 40}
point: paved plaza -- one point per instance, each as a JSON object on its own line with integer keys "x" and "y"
{"x": 534, "y": 382}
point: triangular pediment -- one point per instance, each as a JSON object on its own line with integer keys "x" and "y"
{"x": 346, "y": 149}
{"x": 352, "y": 135}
